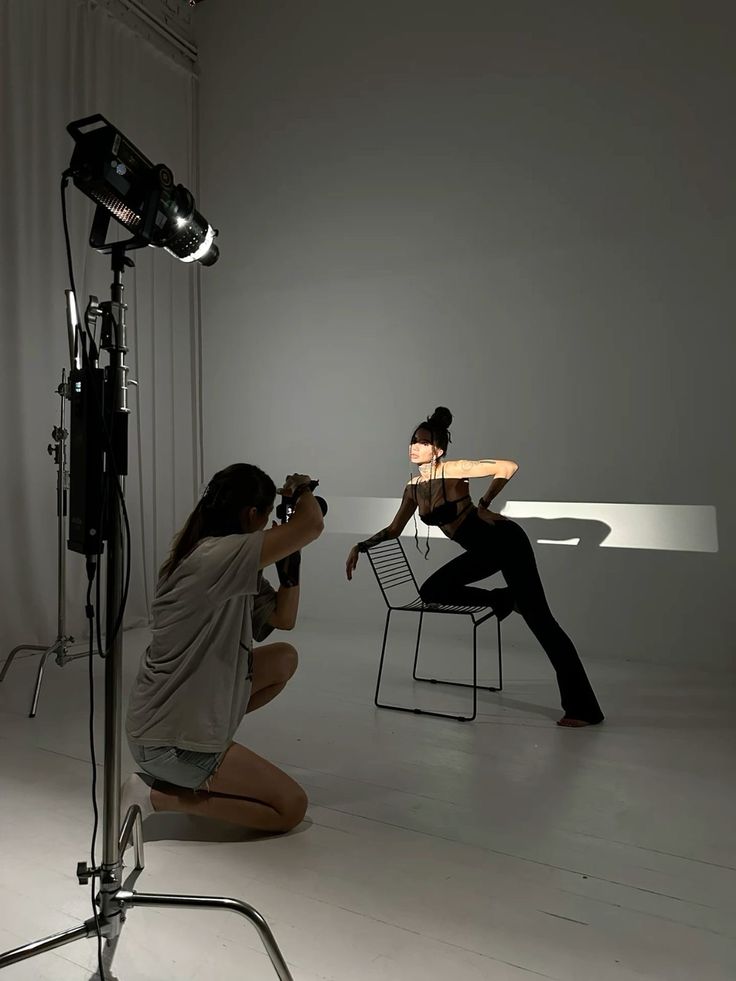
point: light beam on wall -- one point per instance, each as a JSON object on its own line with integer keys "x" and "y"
{"x": 659, "y": 527}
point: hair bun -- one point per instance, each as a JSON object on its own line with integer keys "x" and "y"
{"x": 441, "y": 418}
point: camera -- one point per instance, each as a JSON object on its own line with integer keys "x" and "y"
{"x": 285, "y": 509}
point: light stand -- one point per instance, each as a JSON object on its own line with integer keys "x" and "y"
{"x": 113, "y": 901}
{"x": 60, "y": 647}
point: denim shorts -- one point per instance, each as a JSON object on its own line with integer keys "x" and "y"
{"x": 180, "y": 767}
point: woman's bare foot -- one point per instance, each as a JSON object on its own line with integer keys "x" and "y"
{"x": 569, "y": 723}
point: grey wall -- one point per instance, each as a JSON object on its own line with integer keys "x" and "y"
{"x": 522, "y": 212}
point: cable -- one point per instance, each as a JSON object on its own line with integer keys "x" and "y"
{"x": 127, "y": 548}
{"x": 70, "y": 263}
{"x": 64, "y": 184}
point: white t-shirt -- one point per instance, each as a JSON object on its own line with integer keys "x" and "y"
{"x": 194, "y": 680}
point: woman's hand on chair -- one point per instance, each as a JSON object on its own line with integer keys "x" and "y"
{"x": 353, "y": 556}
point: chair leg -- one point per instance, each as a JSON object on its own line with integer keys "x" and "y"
{"x": 383, "y": 655}
{"x": 403, "y": 708}
{"x": 416, "y": 652}
{"x": 500, "y": 664}
{"x": 455, "y": 684}
{"x": 459, "y": 684}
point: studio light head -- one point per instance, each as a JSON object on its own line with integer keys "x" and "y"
{"x": 139, "y": 195}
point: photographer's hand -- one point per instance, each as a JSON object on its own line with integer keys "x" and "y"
{"x": 304, "y": 526}
{"x": 292, "y": 482}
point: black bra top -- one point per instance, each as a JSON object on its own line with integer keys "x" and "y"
{"x": 445, "y": 513}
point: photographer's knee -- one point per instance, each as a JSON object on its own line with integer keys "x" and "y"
{"x": 289, "y": 661}
{"x": 295, "y": 809}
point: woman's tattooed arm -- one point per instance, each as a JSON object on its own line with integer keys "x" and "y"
{"x": 381, "y": 536}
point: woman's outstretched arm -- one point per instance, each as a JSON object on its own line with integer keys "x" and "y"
{"x": 463, "y": 469}
{"x": 501, "y": 470}
{"x": 406, "y": 509}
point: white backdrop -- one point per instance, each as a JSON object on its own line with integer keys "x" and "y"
{"x": 522, "y": 211}
{"x": 61, "y": 60}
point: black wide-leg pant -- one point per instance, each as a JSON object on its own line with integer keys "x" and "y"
{"x": 504, "y": 546}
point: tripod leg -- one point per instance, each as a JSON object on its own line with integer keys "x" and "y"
{"x": 132, "y": 827}
{"x": 39, "y": 679}
{"x": 215, "y": 902}
{"x": 11, "y": 656}
{"x": 49, "y": 943}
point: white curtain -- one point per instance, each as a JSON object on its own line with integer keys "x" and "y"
{"x": 61, "y": 60}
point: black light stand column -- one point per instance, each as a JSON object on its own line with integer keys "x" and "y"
{"x": 114, "y": 341}
{"x": 112, "y": 900}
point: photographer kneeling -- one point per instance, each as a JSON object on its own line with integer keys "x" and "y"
{"x": 201, "y": 674}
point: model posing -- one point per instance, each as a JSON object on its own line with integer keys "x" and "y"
{"x": 440, "y": 492}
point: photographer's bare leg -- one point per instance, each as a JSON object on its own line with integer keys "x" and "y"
{"x": 246, "y": 789}
{"x": 273, "y": 666}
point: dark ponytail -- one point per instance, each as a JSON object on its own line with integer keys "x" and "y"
{"x": 218, "y": 511}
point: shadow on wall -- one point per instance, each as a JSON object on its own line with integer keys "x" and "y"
{"x": 649, "y": 596}
{"x": 585, "y": 535}
{"x": 654, "y": 527}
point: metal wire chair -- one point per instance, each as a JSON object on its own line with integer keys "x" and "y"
{"x": 392, "y": 570}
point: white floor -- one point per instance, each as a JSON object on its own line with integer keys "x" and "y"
{"x": 503, "y": 850}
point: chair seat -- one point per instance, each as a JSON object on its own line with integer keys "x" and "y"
{"x": 418, "y": 605}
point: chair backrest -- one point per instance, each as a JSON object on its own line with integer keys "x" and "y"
{"x": 391, "y": 566}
